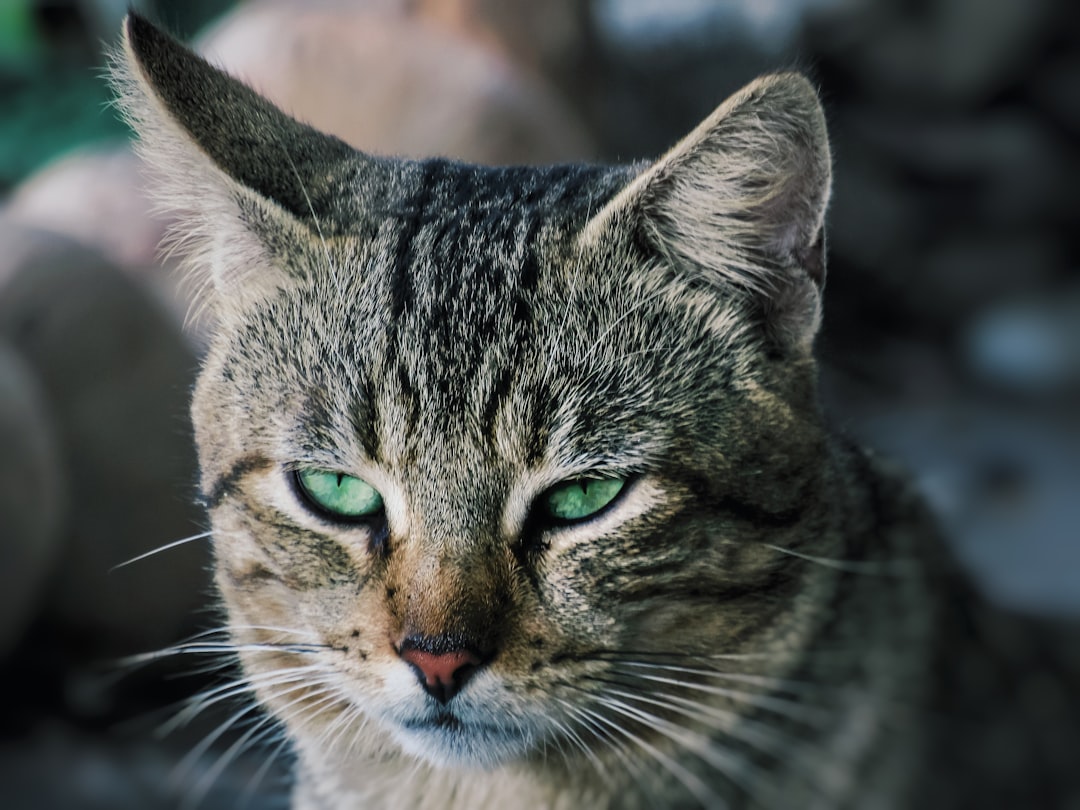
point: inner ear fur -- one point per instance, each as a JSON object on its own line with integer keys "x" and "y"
{"x": 241, "y": 177}
{"x": 740, "y": 203}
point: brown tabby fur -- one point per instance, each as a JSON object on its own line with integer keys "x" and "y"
{"x": 760, "y": 619}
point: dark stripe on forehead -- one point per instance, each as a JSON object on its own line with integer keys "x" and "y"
{"x": 409, "y": 217}
{"x": 499, "y": 392}
{"x": 465, "y": 264}
{"x": 521, "y": 328}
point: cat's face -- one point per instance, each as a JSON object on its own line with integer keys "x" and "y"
{"x": 483, "y": 446}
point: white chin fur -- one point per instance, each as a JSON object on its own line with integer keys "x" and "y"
{"x": 464, "y": 747}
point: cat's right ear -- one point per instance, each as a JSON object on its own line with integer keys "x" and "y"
{"x": 250, "y": 186}
{"x": 739, "y": 205}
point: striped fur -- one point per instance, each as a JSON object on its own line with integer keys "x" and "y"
{"x": 748, "y": 625}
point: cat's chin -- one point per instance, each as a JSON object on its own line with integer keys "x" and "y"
{"x": 445, "y": 740}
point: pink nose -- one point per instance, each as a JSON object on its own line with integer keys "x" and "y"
{"x": 441, "y": 674}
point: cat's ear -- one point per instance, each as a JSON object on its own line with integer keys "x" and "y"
{"x": 249, "y": 184}
{"x": 740, "y": 202}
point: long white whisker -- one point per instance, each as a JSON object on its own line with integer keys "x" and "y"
{"x": 233, "y": 628}
{"x": 265, "y": 726}
{"x": 197, "y": 752}
{"x": 736, "y": 768}
{"x": 886, "y": 568}
{"x": 194, "y": 797}
{"x": 227, "y": 691}
{"x": 159, "y": 549}
{"x": 761, "y": 736}
{"x": 264, "y": 769}
{"x": 213, "y": 647}
{"x": 567, "y": 730}
{"x": 582, "y": 715}
{"x": 782, "y": 706}
{"x": 340, "y": 725}
{"x": 702, "y": 792}
{"x": 766, "y": 681}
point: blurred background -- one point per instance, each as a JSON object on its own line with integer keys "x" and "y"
{"x": 952, "y": 338}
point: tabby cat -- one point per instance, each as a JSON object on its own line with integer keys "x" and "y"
{"x": 520, "y": 489}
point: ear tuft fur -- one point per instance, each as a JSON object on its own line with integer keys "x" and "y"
{"x": 740, "y": 202}
{"x": 209, "y": 142}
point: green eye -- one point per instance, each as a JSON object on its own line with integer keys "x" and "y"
{"x": 339, "y": 494}
{"x": 582, "y": 497}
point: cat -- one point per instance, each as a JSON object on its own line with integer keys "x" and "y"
{"x": 521, "y": 492}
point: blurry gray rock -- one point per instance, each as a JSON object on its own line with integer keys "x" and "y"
{"x": 391, "y": 82}
{"x": 98, "y": 197}
{"x": 1030, "y": 346}
{"x": 33, "y": 497}
{"x": 947, "y": 53}
{"x": 873, "y": 217}
{"x": 114, "y": 373}
{"x": 964, "y": 271}
{"x": 1018, "y": 169}
{"x": 1057, "y": 89}
{"x": 94, "y": 196}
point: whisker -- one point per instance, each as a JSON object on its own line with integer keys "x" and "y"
{"x": 582, "y": 716}
{"x": 159, "y": 549}
{"x": 211, "y": 647}
{"x": 194, "y": 797}
{"x": 694, "y": 710}
{"x": 734, "y": 767}
{"x": 567, "y": 730}
{"x": 232, "y": 628}
{"x": 186, "y": 765}
{"x": 199, "y": 703}
{"x": 265, "y": 726}
{"x": 885, "y": 568}
{"x": 763, "y": 737}
{"x": 260, "y": 775}
{"x": 340, "y": 725}
{"x": 702, "y": 792}
{"x": 768, "y": 681}
{"x": 778, "y": 705}
{"x": 603, "y": 654}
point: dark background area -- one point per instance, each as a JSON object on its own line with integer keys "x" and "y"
{"x": 952, "y": 337}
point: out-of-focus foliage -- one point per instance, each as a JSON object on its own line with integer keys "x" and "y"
{"x": 52, "y": 55}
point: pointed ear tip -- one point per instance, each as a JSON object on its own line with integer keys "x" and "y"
{"x": 791, "y": 84}
{"x": 139, "y": 35}
{"x": 131, "y": 25}
{"x": 130, "y": 30}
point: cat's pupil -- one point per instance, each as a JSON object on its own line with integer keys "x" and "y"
{"x": 339, "y": 495}
{"x": 581, "y": 498}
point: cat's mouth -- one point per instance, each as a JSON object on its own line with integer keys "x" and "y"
{"x": 442, "y": 720}
{"x": 444, "y": 738}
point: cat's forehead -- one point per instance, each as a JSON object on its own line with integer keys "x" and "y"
{"x": 445, "y": 353}
{"x": 445, "y": 202}
{"x": 463, "y": 334}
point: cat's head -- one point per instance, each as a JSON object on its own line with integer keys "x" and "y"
{"x": 481, "y": 445}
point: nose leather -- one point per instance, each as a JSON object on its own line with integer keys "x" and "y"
{"x": 441, "y": 674}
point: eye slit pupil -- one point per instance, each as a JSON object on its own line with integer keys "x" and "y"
{"x": 338, "y": 495}
{"x": 578, "y": 499}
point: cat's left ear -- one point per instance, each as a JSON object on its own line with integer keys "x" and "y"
{"x": 249, "y": 185}
{"x": 740, "y": 203}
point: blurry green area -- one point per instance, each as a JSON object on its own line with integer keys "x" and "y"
{"x": 53, "y": 94}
